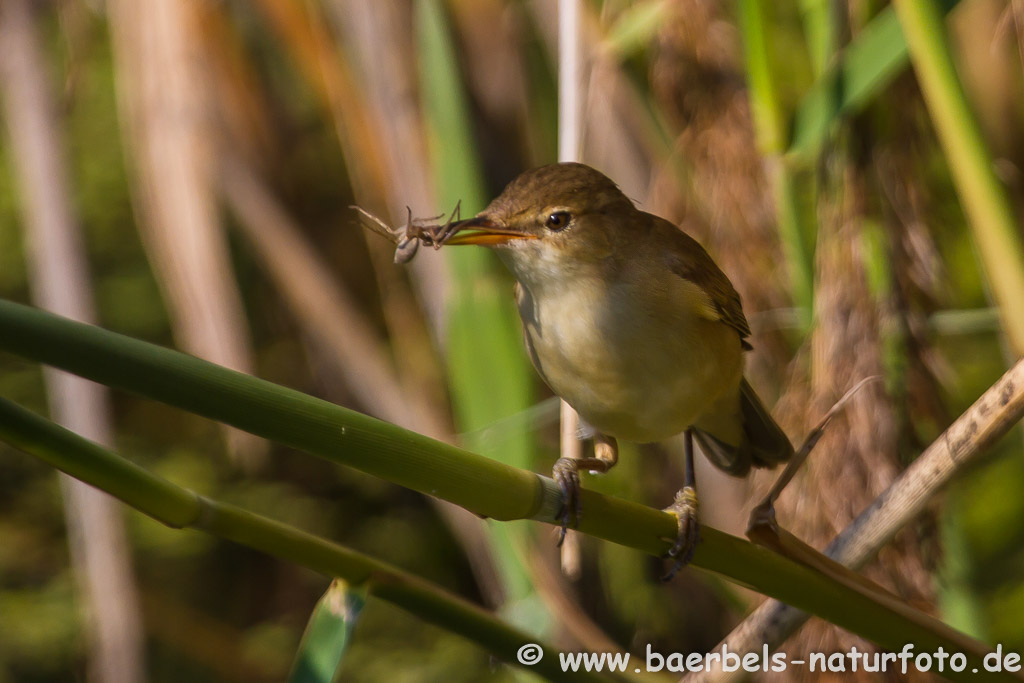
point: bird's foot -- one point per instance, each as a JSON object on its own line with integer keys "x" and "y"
{"x": 566, "y": 473}
{"x": 684, "y": 509}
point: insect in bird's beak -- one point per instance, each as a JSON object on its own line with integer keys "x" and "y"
{"x": 481, "y": 230}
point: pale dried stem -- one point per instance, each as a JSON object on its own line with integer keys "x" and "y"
{"x": 611, "y": 137}
{"x": 385, "y": 78}
{"x": 571, "y": 447}
{"x": 60, "y": 282}
{"x": 162, "y": 93}
{"x": 570, "y": 143}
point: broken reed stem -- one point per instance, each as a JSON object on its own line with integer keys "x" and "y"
{"x": 971, "y": 435}
{"x": 797, "y": 461}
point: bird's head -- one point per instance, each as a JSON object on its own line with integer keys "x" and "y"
{"x": 551, "y": 222}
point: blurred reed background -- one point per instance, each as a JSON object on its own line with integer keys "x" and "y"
{"x": 180, "y": 171}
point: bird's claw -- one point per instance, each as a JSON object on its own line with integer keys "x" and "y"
{"x": 566, "y": 474}
{"x": 684, "y": 509}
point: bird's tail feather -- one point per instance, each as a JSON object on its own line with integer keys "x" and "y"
{"x": 763, "y": 443}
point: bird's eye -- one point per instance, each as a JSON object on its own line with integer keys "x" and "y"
{"x": 558, "y": 220}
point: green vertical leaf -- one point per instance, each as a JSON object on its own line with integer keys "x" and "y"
{"x": 489, "y": 374}
{"x": 795, "y": 231}
{"x": 985, "y": 200}
{"x": 327, "y": 634}
{"x": 863, "y": 69}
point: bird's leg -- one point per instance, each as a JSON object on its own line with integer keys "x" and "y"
{"x": 685, "y": 511}
{"x": 567, "y": 473}
{"x": 606, "y": 451}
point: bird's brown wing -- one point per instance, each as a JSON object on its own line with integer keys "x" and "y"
{"x": 692, "y": 263}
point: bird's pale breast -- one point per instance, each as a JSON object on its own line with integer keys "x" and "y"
{"x": 636, "y": 359}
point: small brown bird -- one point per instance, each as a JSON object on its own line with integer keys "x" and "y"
{"x": 629, "y": 321}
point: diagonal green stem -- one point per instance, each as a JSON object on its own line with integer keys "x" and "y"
{"x": 179, "y": 507}
{"x": 481, "y": 485}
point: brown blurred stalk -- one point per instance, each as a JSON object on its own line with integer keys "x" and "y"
{"x": 59, "y": 281}
{"x": 163, "y": 97}
{"x": 376, "y": 118}
{"x": 379, "y": 36}
{"x": 615, "y": 136}
{"x": 859, "y": 456}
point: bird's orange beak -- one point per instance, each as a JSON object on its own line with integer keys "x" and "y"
{"x": 483, "y": 230}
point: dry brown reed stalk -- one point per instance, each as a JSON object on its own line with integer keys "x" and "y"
{"x": 60, "y": 282}
{"x": 304, "y": 35}
{"x": 165, "y": 106}
{"x": 384, "y": 74}
{"x": 570, "y": 142}
{"x": 383, "y": 154}
{"x": 242, "y": 105}
{"x": 380, "y": 133}
{"x": 697, "y": 77}
{"x": 492, "y": 36}
{"x": 875, "y": 192}
{"x": 919, "y": 278}
{"x": 860, "y": 455}
{"x": 862, "y": 323}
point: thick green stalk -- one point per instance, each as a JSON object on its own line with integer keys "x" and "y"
{"x": 479, "y": 484}
{"x": 984, "y": 198}
{"x": 178, "y": 507}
